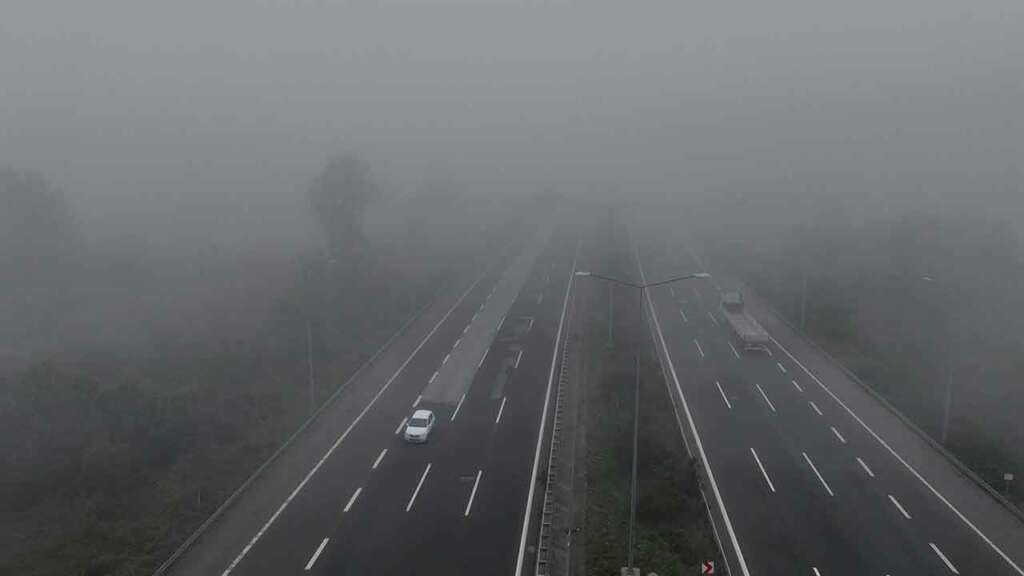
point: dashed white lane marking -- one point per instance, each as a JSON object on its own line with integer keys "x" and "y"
{"x": 815, "y": 406}
{"x": 401, "y": 425}
{"x": 712, "y": 316}
{"x": 797, "y": 386}
{"x": 417, "y": 402}
{"x": 720, "y": 391}
{"x": 838, "y": 435}
{"x": 781, "y": 367}
{"x": 530, "y": 326}
{"x": 865, "y": 467}
{"x": 457, "y": 342}
{"x": 434, "y": 377}
{"x": 500, "y": 409}
{"x": 502, "y": 323}
{"x": 417, "y": 491}
{"x": 765, "y": 396}
{"x": 379, "y": 458}
{"x": 816, "y": 573}
{"x": 446, "y": 357}
{"x": 352, "y": 500}
{"x": 899, "y": 506}
{"x": 905, "y": 464}
{"x": 465, "y": 328}
{"x": 482, "y": 358}
{"x": 540, "y": 298}
{"x": 699, "y": 349}
{"x": 818, "y": 474}
{"x": 734, "y": 352}
{"x": 518, "y": 358}
{"x": 312, "y": 560}
{"x": 473, "y": 493}
{"x": 763, "y": 473}
{"x": 683, "y": 314}
{"x": 473, "y": 319}
{"x": 943, "y": 558}
{"x": 280, "y": 509}
{"x": 457, "y": 407}
{"x": 672, "y": 291}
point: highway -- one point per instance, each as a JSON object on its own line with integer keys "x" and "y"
{"x": 807, "y": 473}
{"x": 351, "y": 497}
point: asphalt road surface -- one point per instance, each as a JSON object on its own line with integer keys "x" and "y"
{"x": 351, "y": 497}
{"x": 808, "y": 474}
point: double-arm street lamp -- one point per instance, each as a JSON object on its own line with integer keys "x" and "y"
{"x": 636, "y": 394}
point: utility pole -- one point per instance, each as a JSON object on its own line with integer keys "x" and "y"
{"x": 803, "y": 302}
{"x": 309, "y": 360}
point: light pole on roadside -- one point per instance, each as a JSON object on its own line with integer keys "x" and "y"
{"x": 948, "y": 402}
{"x": 631, "y": 535}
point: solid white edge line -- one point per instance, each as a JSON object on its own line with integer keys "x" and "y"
{"x": 693, "y": 427}
{"x": 518, "y": 358}
{"x": 457, "y": 407}
{"x": 765, "y": 396}
{"x": 815, "y": 406}
{"x": 379, "y": 458}
{"x": 473, "y": 493}
{"x": 418, "y": 486}
{"x": 797, "y": 385}
{"x": 543, "y": 420}
{"x": 352, "y": 500}
{"x": 838, "y": 435}
{"x": 899, "y": 506}
{"x": 763, "y": 472}
{"x": 345, "y": 434}
{"x": 501, "y": 409}
{"x": 699, "y": 349}
{"x": 319, "y": 549}
{"x": 722, "y": 392}
{"x": 865, "y": 467}
{"x": 906, "y": 464}
{"x": 818, "y": 474}
{"x": 734, "y": 352}
{"x": 943, "y": 558}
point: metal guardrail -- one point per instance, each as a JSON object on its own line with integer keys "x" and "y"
{"x": 162, "y": 569}
{"x": 548, "y": 511}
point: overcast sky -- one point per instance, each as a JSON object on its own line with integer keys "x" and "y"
{"x": 132, "y": 99}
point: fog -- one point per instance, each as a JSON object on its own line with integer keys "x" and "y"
{"x": 160, "y": 163}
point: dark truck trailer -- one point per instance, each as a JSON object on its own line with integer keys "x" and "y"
{"x": 750, "y": 334}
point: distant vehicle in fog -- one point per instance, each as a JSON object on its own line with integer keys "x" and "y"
{"x": 747, "y": 330}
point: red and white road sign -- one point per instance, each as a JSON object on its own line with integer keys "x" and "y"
{"x": 707, "y": 567}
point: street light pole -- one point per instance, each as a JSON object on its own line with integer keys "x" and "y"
{"x": 948, "y": 400}
{"x": 632, "y": 485}
{"x": 633, "y": 489}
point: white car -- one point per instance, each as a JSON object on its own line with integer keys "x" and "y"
{"x": 419, "y": 426}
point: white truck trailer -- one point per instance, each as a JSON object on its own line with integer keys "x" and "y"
{"x": 750, "y": 334}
